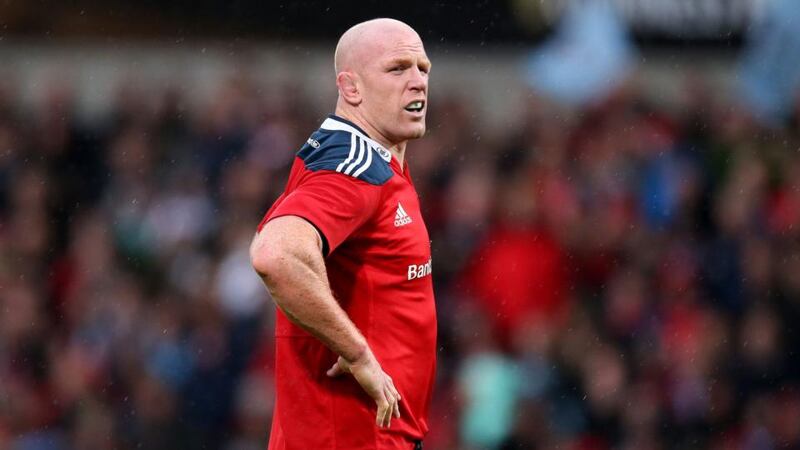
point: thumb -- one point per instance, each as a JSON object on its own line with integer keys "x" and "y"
{"x": 335, "y": 370}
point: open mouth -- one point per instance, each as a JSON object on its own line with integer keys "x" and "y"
{"x": 415, "y": 106}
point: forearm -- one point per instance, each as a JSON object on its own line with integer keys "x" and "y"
{"x": 287, "y": 256}
{"x": 300, "y": 289}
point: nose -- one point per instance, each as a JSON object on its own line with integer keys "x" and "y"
{"x": 418, "y": 81}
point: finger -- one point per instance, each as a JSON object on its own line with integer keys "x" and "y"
{"x": 387, "y": 418}
{"x": 392, "y": 400}
{"x": 392, "y": 394}
{"x": 397, "y": 409}
{"x": 383, "y": 406}
{"x": 393, "y": 388}
{"x": 395, "y": 391}
{"x": 380, "y": 417}
{"x": 335, "y": 370}
{"x": 390, "y": 410}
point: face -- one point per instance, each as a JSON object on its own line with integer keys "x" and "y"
{"x": 394, "y": 86}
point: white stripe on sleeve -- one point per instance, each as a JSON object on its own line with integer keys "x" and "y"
{"x": 358, "y": 160}
{"x": 350, "y": 156}
{"x": 366, "y": 164}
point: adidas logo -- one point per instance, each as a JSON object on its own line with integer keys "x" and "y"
{"x": 400, "y": 217}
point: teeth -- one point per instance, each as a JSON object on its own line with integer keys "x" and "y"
{"x": 414, "y": 106}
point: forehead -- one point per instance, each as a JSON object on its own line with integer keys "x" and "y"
{"x": 398, "y": 44}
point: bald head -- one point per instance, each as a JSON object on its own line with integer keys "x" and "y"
{"x": 364, "y": 40}
{"x": 382, "y": 78}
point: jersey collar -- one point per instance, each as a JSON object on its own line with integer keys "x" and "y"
{"x": 336, "y": 123}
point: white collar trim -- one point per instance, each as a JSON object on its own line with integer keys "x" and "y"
{"x": 332, "y": 124}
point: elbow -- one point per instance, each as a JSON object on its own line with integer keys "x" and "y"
{"x": 265, "y": 263}
{"x": 270, "y": 266}
{"x": 264, "y": 258}
{"x": 267, "y": 266}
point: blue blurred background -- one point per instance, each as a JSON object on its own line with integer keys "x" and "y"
{"x": 612, "y": 190}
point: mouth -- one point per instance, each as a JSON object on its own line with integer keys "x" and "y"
{"x": 415, "y": 106}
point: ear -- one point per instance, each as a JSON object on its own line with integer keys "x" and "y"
{"x": 347, "y": 82}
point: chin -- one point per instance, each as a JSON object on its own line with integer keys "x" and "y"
{"x": 417, "y": 131}
{"x": 413, "y": 130}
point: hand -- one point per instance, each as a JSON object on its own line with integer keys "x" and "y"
{"x": 375, "y": 382}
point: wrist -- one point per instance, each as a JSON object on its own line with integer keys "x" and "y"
{"x": 360, "y": 357}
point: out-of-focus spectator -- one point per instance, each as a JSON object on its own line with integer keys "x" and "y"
{"x": 620, "y": 275}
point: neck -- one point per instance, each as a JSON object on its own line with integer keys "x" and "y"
{"x": 397, "y": 149}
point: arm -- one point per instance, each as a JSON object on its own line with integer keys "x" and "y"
{"x": 287, "y": 255}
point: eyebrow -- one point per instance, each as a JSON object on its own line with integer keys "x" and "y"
{"x": 407, "y": 61}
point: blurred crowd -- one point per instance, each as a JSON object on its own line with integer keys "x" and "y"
{"x": 622, "y": 275}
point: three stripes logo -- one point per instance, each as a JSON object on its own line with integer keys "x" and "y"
{"x": 356, "y": 165}
{"x": 400, "y": 217}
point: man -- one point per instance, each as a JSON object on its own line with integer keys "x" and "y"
{"x": 346, "y": 256}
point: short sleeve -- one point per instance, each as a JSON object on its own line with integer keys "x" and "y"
{"x": 334, "y": 203}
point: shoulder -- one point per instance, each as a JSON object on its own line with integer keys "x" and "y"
{"x": 346, "y": 152}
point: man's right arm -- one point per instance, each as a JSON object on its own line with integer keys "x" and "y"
{"x": 287, "y": 254}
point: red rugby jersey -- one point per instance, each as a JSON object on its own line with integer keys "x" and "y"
{"x": 378, "y": 260}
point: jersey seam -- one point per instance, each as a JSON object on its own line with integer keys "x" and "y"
{"x": 351, "y": 176}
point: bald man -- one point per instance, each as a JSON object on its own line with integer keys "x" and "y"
{"x": 346, "y": 256}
